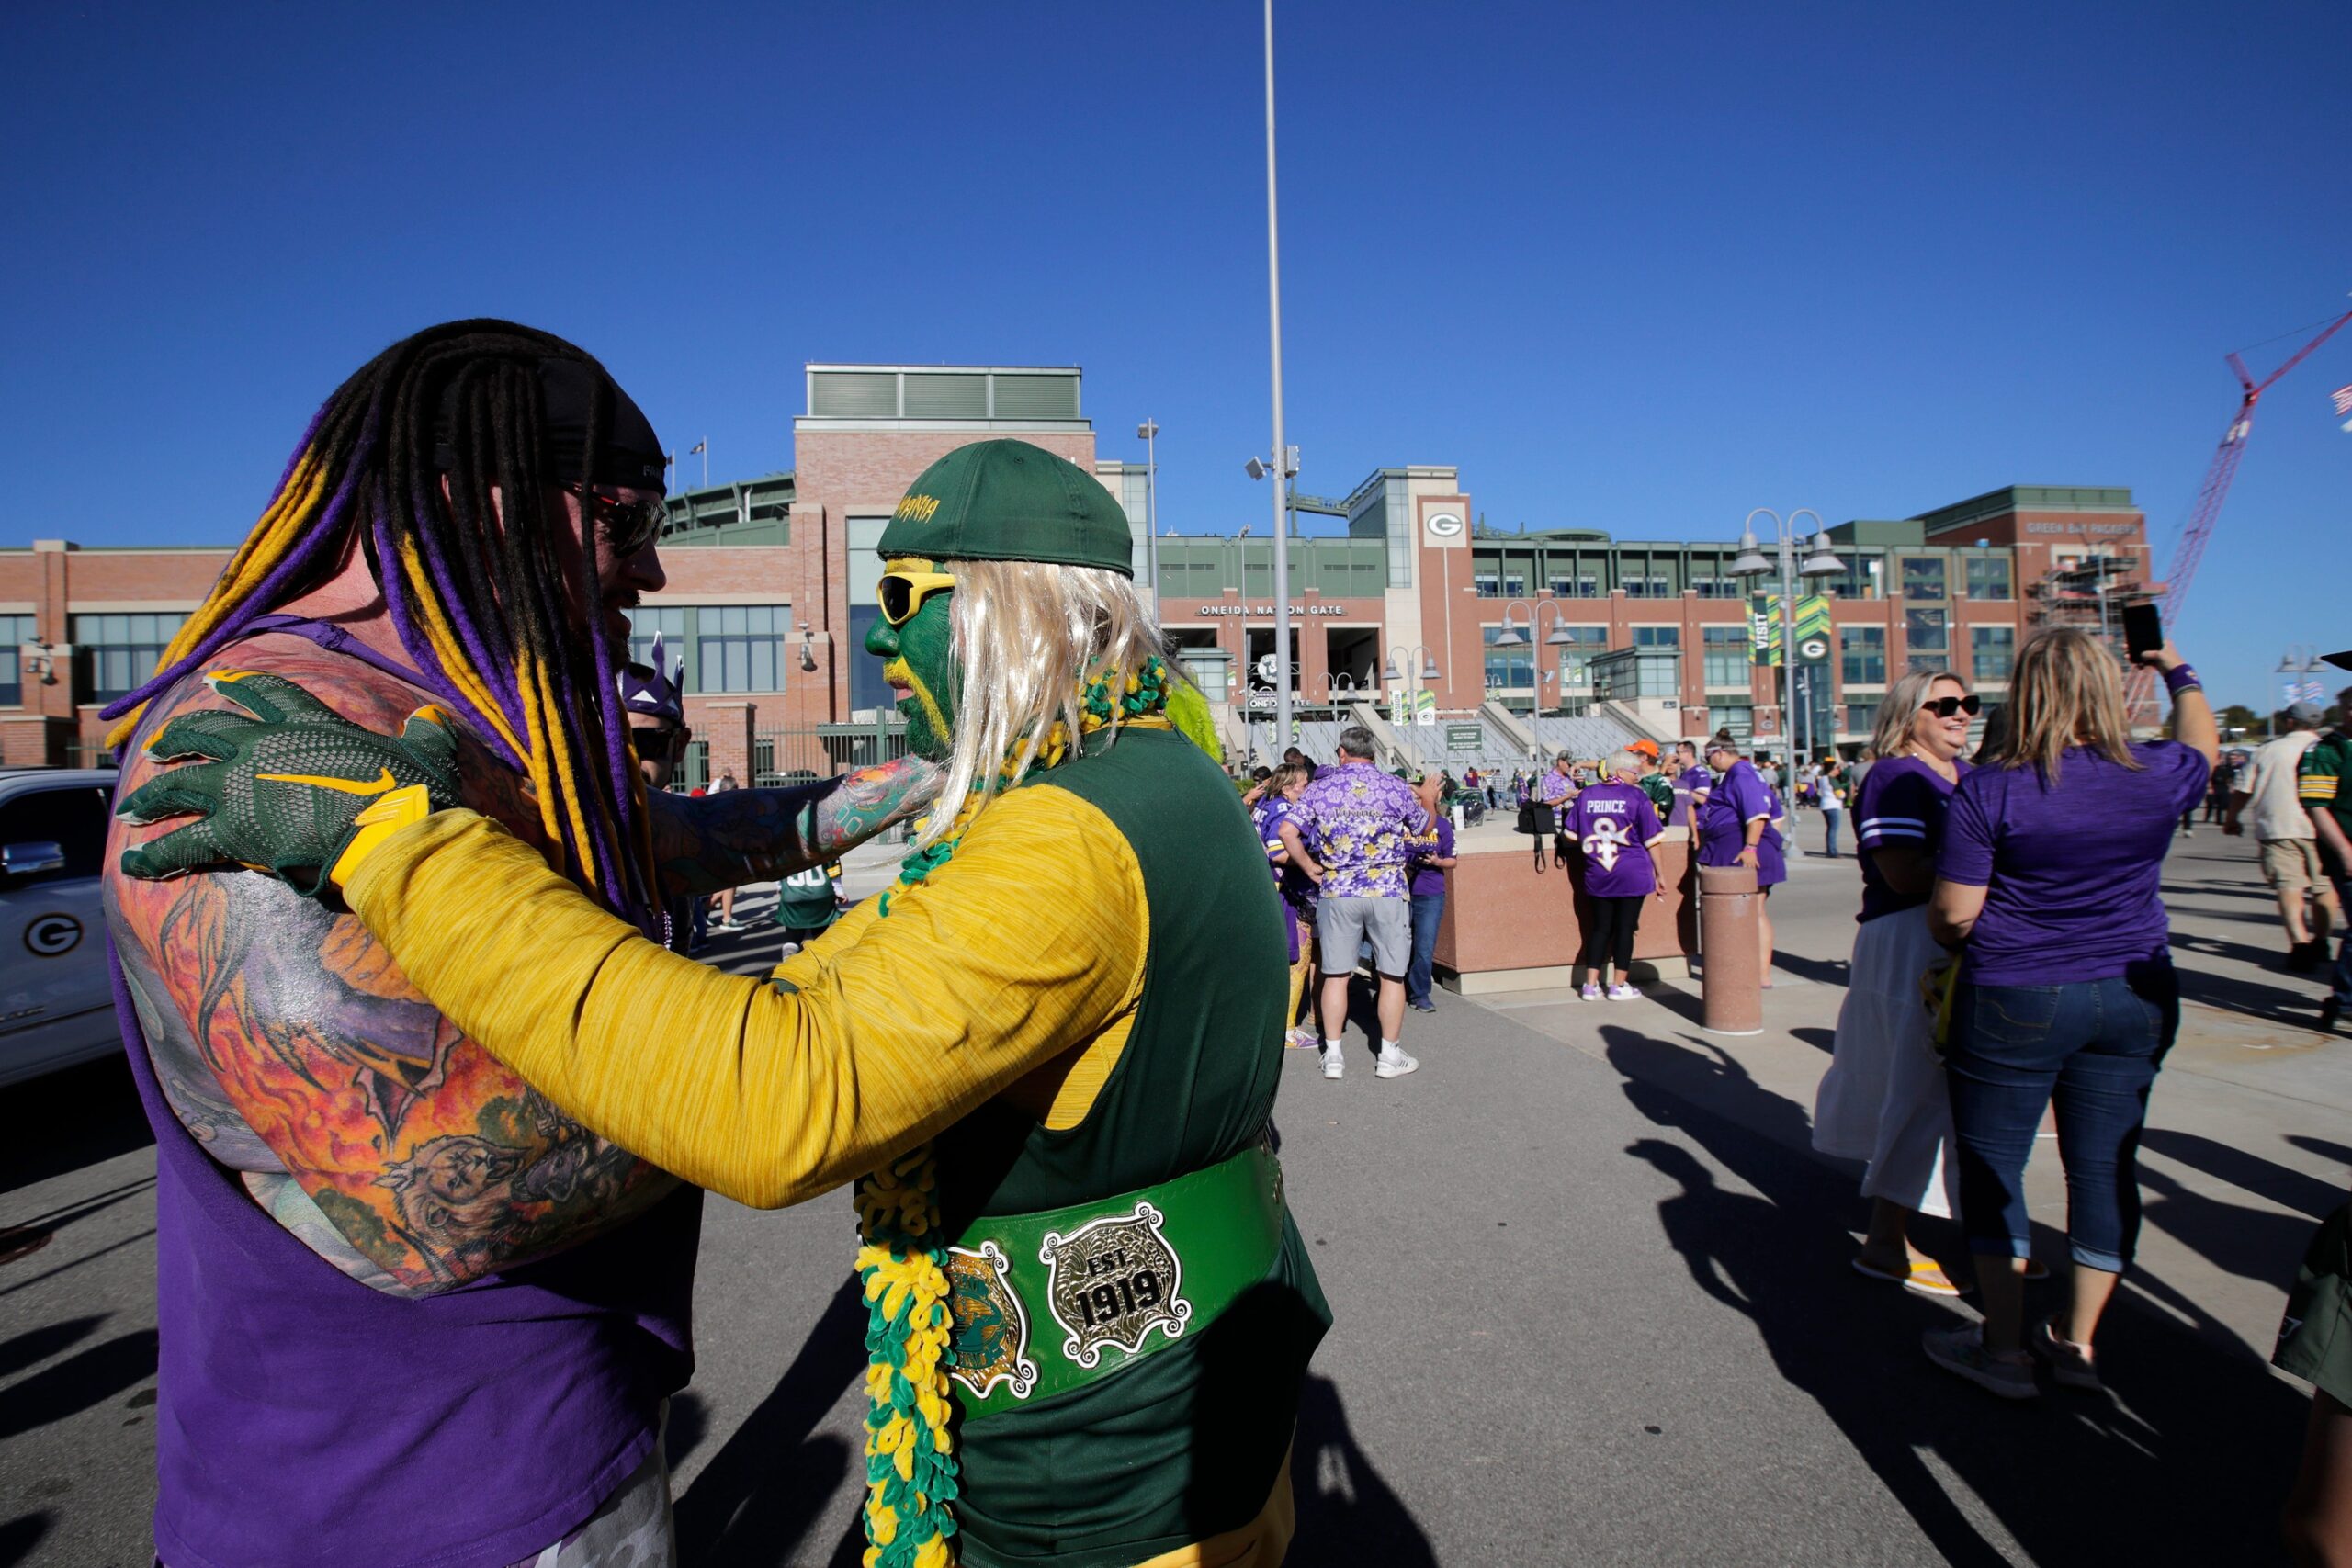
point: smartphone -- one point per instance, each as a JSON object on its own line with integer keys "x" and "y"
{"x": 2143, "y": 629}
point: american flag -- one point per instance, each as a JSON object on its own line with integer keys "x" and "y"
{"x": 2343, "y": 396}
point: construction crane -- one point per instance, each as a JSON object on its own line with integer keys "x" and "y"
{"x": 2198, "y": 530}
{"x": 2200, "y": 527}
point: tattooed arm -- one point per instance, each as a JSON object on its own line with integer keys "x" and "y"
{"x": 293, "y": 1047}
{"x": 714, "y": 841}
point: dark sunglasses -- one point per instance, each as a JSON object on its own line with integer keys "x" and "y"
{"x": 1944, "y": 707}
{"x": 628, "y": 525}
{"x": 902, "y": 593}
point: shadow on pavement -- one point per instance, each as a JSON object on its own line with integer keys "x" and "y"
{"x": 80, "y": 1117}
{"x": 87, "y": 1378}
{"x": 20, "y": 1536}
{"x": 1347, "y": 1513}
{"x": 2073, "y": 1479}
{"x": 759, "y": 1497}
{"x": 2283, "y": 1185}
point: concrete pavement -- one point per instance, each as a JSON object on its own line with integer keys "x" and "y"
{"x": 1591, "y": 1288}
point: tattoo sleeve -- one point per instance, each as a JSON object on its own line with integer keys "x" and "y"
{"x": 295, "y": 1050}
{"x": 715, "y": 841}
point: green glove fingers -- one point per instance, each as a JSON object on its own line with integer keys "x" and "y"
{"x": 189, "y": 791}
{"x": 272, "y": 699}
{"x": 176, "y": 853}
{"x": 290, "y": 789}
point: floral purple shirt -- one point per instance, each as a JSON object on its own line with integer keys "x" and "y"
{"x": 1364, "y": 826}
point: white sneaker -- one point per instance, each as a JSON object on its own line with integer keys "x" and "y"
{"x": 1335, "y": 1062}
{"x": 1591, "y": 993}
{"x": 1394, "y": 1066}
{"x": 1302, "y": 1040}
{"x": 1622, "y": 992}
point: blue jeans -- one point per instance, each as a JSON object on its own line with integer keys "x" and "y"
{"x": 1427, "y": 907}
{"x": 1829, "y": 820}
{"x": 2095, "y": 1047}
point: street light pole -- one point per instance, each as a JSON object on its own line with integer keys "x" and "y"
{"x": 1750, "y": 563}
{"x": 1149, "y": 431}
{"x": 1282, "y": 451}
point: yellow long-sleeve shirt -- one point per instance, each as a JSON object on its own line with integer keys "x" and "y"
{"x": 1014, "y": 968}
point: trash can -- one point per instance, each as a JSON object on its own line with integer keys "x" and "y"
{"x": 1732, "y": 961}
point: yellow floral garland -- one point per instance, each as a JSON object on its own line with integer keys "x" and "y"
{"x": 902, "y": 1263}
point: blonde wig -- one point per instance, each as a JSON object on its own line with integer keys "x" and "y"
{"x": 1891, "y": 731}
{"x": 2067, "y": 690}
{"x": 1026, "y": 635}
{"x": 1626, "y": 764}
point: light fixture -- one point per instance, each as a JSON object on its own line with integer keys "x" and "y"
{"x": 1508, "y": 637}
{"x": 1751, "y": 561}
{"x": 1428, "y": 666}
{"x": 1559, "y": 637}
{"x": 1396, "y": 670}
{"x": 807, "y": 649}
{"x": 1821, "y": 563}
{"x": 1256, "y": 467}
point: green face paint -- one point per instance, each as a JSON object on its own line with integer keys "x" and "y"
{"x": 920, "y": 660}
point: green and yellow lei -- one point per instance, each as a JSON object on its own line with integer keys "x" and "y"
{"x": 903, "y": 1261}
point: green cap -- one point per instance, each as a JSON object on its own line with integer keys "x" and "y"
{"x": 1011, "y": 500}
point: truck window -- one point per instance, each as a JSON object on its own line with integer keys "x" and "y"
{"x": 73, "y": 818}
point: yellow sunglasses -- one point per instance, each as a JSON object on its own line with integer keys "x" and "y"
{"x": 902, "y": 593}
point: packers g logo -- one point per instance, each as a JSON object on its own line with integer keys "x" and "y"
{"x": 49, "y": 935}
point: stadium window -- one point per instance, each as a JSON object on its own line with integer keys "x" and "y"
{"x": 15, "y": 631}
{"x": 1988, "y": 577}
{"x": 1657, "y": 636}
{"x": 1992, "y": 650}
{"x": 1862, "y": 654}
{"x": 1728, "y": 655}
{"x": 117, "y": 652}
{"x": 740, "y": 647}
{"x": 1928, "y": 631}
{"x": 1922, "y": 577}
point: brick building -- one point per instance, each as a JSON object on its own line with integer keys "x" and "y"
{"x": 771, "y": 591}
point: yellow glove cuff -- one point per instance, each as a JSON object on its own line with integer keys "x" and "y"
{"x": 388, "y": 815}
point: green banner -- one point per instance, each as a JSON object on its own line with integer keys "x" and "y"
{"x": 1815, "y": 637}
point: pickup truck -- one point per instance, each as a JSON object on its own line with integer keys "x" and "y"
{"x": 56, "y": 1007}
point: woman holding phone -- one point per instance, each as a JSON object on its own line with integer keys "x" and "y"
{"x": 2049, "y": 881}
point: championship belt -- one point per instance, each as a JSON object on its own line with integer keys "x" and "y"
{"x": 1050, "y": 1302}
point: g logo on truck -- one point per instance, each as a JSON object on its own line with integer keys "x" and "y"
{"x": 49, "y": 935}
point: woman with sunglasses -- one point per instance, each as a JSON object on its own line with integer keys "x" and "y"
{"x": 1882, "y": 1101}
{"x": 1734, "y": 818}
{"x": 2049, "y": 882}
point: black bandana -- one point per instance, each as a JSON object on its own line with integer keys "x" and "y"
{"x": 630, "y": 454}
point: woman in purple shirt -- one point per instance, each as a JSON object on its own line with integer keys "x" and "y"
{"x": 1736, "y": 828}
{"x": 1883, "y": 1099}
{"x": 2050, "y": 875}
{"x": 1614, "y": 824}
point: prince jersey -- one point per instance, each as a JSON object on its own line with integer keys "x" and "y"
{"x": 1615, "y": 823}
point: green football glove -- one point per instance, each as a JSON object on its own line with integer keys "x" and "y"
{"x": 296, "y": 790}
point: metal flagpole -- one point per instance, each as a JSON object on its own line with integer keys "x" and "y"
{"x": 1282, "y": 451}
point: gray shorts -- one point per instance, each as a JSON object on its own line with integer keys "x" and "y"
{"x": 1342, "y": 926}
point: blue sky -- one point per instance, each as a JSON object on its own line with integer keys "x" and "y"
{"x": 1633, "y": 267}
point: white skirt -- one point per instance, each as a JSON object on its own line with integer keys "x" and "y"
{"x": 1883, "y": 1098}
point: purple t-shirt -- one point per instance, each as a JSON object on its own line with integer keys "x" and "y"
{"x": 1903, "y": 803}
{"x": 2071, "y": 873}
{"x": 1428, "y": 881}
{"x": 1612, "y": 822}
{"x": 1737, "y": 799}
{"x": 1688, "y": 780}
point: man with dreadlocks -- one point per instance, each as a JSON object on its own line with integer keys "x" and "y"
{"x": 411, "y": 1312}
{"x": 1090, "y": 1313}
